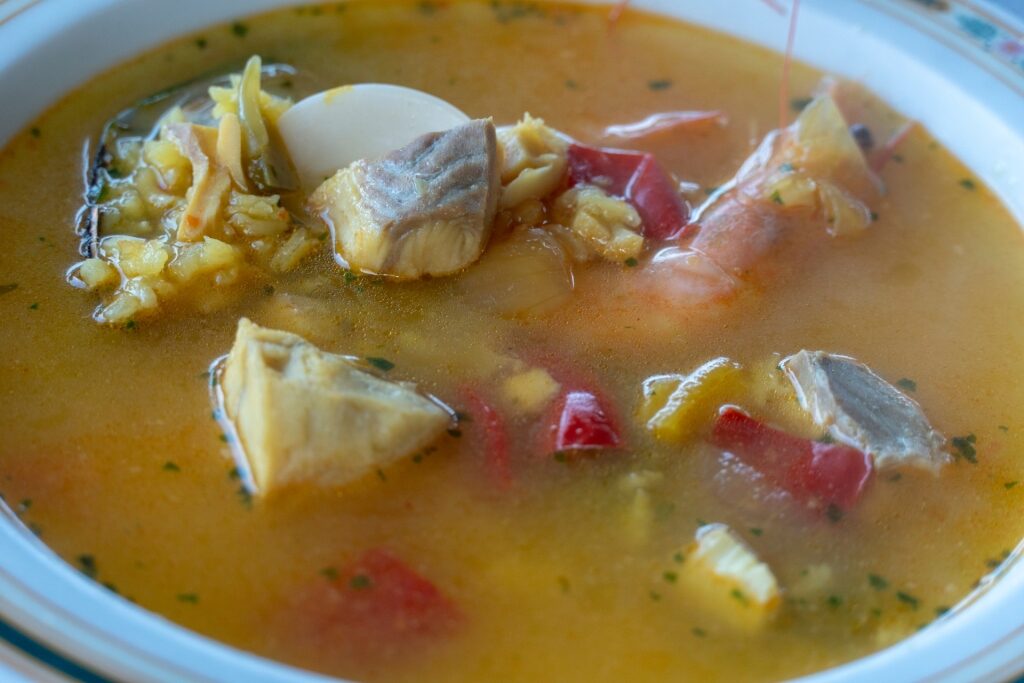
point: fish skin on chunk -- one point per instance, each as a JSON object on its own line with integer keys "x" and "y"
{"x": 424, "y": 209}
{"x": 861, "y": 409}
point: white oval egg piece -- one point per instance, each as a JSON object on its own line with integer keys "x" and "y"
{"x": 329, "y": 130}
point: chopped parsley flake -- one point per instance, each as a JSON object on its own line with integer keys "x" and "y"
{"x": 87, "y": 564}
{"x": 968, "y": 184}
{"x": 171, "y": 467}
{"x": 1002, "y": 428}
{"x": 738, "y": 595}
{"x": 571, "y": 84}
{"x": 560, "y": 456}
{"x": 678, "y": 558}
{"x": 671, "y": 577}
{"x": 659, "y": 84}
{"x": 964, "y": 448}
{"x": 35, "y": 132}
{"x": 381, "y": 475}
{"x": 941, "y": 610}
{"x": 34, "y": 307}
{"x": 239, "y": 29}
{"x": 190, "y": 598}
{"x": 834, "y": 601}
{"x": 877, "y": 582}
{"x": 455, "y": 433}
{"x": 699, "y": 632}
{"x": 799, "y": 103}
{"x": 380, "y": 363}
{"x": 908, "y": 599}
{"x": 631, "y": 262}
{"x": 655, "y": 595}
{"x": 201, "y": 43}
{"x": 360, "y": 582}
{"x": 756, "y": 531}
{"x": 777, "y": 198}
{"x": 874, "y": 216}
{"x": 329, "y": 573}
{"x": 244, "y": 495}
{"x": 834, "y": 513}
{"x": 1010, "y": 484}
{"x": 908, "y": 384}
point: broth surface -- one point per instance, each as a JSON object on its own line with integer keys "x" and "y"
{"x": 111, "y": 455}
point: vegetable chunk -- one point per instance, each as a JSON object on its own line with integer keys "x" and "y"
{"x": 425, "y": 209}
{"x": 818, "y": 474}
{"x": 307, "y": 416}
{"x": 724, "y": 575}
{"x": 674, "y": 406}
{"x": 860, "y": 408}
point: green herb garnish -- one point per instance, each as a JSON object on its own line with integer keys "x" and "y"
{"x": 738, "y": 595}
{"x": 190, "y": 598}
{"x": 360, "y": 582}
{"x": 659, "y": 84}
{"x": 834, "y": 513}
{"x": 756, "y": 531}
{"x": 834, "y": 601}
{"x": 1010, "y": 484}
{"x": 777, "y": 198}
{"x": 171, "y": 467}
{"x": 631, "y": 262}
{"x": 877, "y": 582}
{"x": 87, "y": 564}
{"x": 968, "y": 184}
{"x": 800, "y": 103}
{"x": 908, "y": 599}
{"x": 908, "y": 384}
{"x": 380, "y": 363}
{"x": 329, "y": 573}
{"x": 35, "y": 132}
{"x": 239, "y": 29}
{"x": 964, "y": 446}
{"x": 201, "y": 43}
{"x": 699, "y": 632}
{"x": 671, "y": 577}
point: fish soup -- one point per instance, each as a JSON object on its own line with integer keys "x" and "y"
{"x": 621, "y": 378}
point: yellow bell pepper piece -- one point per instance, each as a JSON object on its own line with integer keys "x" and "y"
{"x": 675, "y": 406}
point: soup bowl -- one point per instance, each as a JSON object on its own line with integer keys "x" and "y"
{"x": 958, "y": 67}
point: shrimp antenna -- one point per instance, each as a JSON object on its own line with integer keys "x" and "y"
{"x": 786, "y": 63}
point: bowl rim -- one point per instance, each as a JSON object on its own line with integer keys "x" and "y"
{"x": 49, "y": 603}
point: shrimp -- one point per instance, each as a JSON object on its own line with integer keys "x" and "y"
{"x": 805, "y": 184}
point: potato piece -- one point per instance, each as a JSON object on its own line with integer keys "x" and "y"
{"x": 530, "y": 391}
{"x": 534, "y": 161}
{"x": 609, "y": 227}
{"x": 425, "y": 209}
{"x": 725, "y": 577}
{"x": 675, "y": 406}
{"x": 307, "y": 416}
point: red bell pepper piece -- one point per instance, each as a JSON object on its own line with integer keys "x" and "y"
{"x": 491, "y": 435}
{"x": 583, "y": 424}
{"x": 637, "y": 178}
{"x": 375, "y": 609}
{"x": 812, "y": 472}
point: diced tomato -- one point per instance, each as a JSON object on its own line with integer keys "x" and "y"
{"x": 491, "y": 436}
{"x": 637, "y": 178}
{"x": 584, "y": 424}
{"x": 375, "y": 608}
{"x": 812, "y": 472}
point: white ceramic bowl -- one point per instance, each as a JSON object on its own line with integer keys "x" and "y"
{"x": 958, "y": 67}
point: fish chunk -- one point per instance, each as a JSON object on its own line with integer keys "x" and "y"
{"x": 724, "y": 576}
{"x": 863, "y": 410}
{"x": 425, "y": 209}
{"x": 307, "y": 416}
